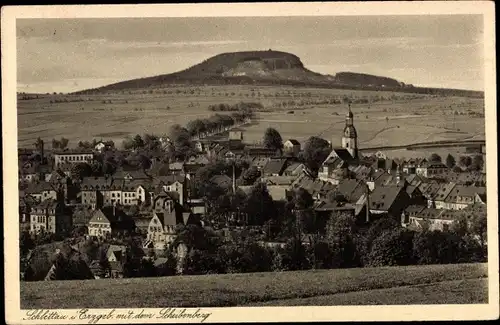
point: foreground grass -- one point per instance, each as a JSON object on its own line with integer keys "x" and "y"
{"x": 245, "y": 289}
{"x": 470, "y": 291}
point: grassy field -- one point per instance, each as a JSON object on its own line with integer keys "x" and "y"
{"x": 464, "y": 283}
{"x": 412, "y": 118}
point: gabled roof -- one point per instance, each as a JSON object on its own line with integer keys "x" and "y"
{"x": 39, "y": 187}
{"x": 279, "y": 180}
{"x": 444, "y": 191}
{"x": 340, "y": 153}
{"x": 413, "y": 210}
{"x": 464, "y": 191}
{"x": 133, "y": 174}
{"x": 259, "y": 161}
{"x": 351, "y": 189}
{"x": 96, "y": 183}
{"x": 99, "y": 217}
{"x": 275, "y": 166}
{"x": 383, "y": 197}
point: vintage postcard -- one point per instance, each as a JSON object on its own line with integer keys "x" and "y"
{"x": 250, "y": 162}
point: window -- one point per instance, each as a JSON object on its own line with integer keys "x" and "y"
{"x": 112, "y": 194}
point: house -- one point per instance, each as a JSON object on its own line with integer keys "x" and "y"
{"x": 81, "y": 217}
{"x": 42, "y": 191}
{"x": 410, "y": 166}
{"x": 99, "y": 225}
{"x": 351, "y": 189}
{"x": 109, "y": 221}
{"x": 294, "y": 169}
{"x": 49, "y": 216}
{"x": 92, "y": 191}
{"x": 116, "y": 253}
{"x": 101, "y": 146}
{"x": 274, "y": 167}
{"x": 291, "y": 147}
{"x": 439, "y": 198}
{"x": 462, "y": 196}
{"x": 421, "y": 218}
{"x": 236, "y": 134}
{"x": 335, "y": 166}
{"x": 261, "y": 152}
{"x": 73, "y": 157}
{"x": 385, "y": 164}
{"x": 259, "y": 162}
{"x": 389, "y": 200}
{"x": 167, "y": 215}
{"x": 197, "y": 206}
{"x": 431, "y": 169}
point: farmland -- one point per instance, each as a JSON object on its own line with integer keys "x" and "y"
{"x": 432, "y": 284}
{"x": 397, "y": 119}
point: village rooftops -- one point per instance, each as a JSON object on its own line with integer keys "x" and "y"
{"x": 465, "y": 192}
{"x": 444, "y": 191}
{"x": 274, "y": 167}
{"x": 39, "y": 187}
{"x": 73, "y": 152}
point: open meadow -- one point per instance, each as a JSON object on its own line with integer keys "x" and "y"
{"x": 381, "y": 118}
{"x": 430, "y": 284}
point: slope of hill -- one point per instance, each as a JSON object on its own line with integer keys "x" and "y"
{"x": 273, "y": 288}
{"x": 269, "y": 68}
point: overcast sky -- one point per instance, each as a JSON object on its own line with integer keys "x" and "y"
{"x": 66, "y": 55}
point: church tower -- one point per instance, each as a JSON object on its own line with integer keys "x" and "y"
{"x": 350, "y": 137}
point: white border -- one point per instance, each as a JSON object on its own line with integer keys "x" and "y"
{"x": 261, "y": 314}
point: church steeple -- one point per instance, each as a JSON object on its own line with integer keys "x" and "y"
{"x": 350, "y": 136}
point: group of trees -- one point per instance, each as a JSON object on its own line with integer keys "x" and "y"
{"x": 242, "y": 106}
{"x": 60, "y": 144}
{"x": 91, "y": 145}
{"x": 474, "y": 163}
{"x": 343, "y": 245}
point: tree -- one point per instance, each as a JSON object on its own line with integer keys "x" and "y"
{"x": 97, "y": 168}
{"x": 477, "y": 163}
{"x": 465, "y": 161}
{"x": 340, "y": 231}
{"x": 250, "y": 175}
{"x": 258, "y": 205}
{"x": 137, "y": 142}
{"x": 392, "y": 247}
{"x": 81, "y": 170}
{"x": 315, "y": 152}
{"x": 294, "y": 256}
{"x": 63, "y": 143}
{"x": 435, "y": 158}
{"x": 168, "y": 268}
{"x": 479, "y": 227}
{"x": 450, "y": 161}
{"x": 436, "y": 247}
{"x": 272, "y": 139}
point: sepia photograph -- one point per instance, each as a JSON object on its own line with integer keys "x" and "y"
{"x": 174, "y": 164}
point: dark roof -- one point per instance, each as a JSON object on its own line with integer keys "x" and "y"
{"x": 223, "y": 181}
{"x": 444, "y": 191}
{"x": 96, "y": 183}
{"x": 134, "y": 174}
{"x": 38, "y": 187}
{"x": 383, "y": 197}
{"x": 351, "y": 189}
{"x": 464, "y": 191}
{"x": 294, "y": 142}
{"x": 275, "y": 166}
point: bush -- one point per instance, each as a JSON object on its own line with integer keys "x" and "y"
{"x": 392, "y": 247}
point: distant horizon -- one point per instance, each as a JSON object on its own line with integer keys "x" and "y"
{"x": 68, "y": 55}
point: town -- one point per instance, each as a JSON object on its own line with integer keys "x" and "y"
{"x": 201, "y": 200}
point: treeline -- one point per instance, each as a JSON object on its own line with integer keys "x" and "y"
{"x": 242, "y": 106}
